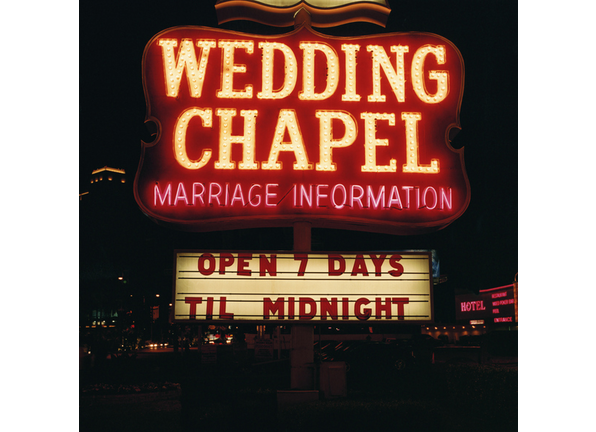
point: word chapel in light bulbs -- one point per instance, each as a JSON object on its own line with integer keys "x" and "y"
{"x": 185, "y": 63}
{"x": 326, "y": 128}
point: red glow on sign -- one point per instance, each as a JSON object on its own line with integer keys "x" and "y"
{"x": 263, "y": 131}
{"x": 472, "y": 306}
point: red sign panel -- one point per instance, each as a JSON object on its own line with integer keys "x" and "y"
{"x": 268, "y": 130}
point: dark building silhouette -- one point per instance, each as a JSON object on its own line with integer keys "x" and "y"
{"x": 103, "y": 247}
{"x": 125, "y": 263}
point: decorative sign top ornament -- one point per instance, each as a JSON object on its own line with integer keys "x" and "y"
{"x": 323, "y": 13}
{"x": 263, "y": 131}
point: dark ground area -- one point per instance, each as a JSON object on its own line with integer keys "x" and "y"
{"x": 170, "y": 391}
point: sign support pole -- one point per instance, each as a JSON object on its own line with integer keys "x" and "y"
{"x": 302, "y": 237}
{"x": 302, "y": 336}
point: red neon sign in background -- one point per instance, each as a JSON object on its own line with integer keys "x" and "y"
{"x": 268, "y": 130}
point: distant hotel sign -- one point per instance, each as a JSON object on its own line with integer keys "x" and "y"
{"x": 349, "y": 133}
{"x": 495, "y": 305}
{"x": 293, "y": 288}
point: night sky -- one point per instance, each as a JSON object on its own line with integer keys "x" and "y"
{"x": 478, "y": 251}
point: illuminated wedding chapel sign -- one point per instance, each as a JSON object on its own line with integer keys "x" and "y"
{"x": 343, "y": 132}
